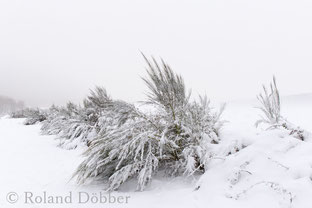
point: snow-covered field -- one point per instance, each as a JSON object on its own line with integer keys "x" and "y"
{"x": 253, "y": 168}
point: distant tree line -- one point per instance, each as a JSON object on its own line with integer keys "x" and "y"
{"x": 9, "y": 105}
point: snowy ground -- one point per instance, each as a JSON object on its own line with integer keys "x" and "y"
{"x": 272, "y": 169}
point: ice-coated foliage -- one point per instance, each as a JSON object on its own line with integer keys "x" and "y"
{"x": 174, "y": 138}
{"x": 125, "y": 143}
{"x": 75, "y": 127}
{"x": 270, "y": 105}
{"x": 74, "y": 124}
{"x": 123, "y": 152}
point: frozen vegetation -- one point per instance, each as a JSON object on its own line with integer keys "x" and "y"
{"x": 179, "y": 153}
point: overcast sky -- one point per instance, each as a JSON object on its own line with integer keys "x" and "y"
{"x": 55, "y": 51}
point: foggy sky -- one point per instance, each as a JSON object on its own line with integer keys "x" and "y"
{"x": 55, "y": 51}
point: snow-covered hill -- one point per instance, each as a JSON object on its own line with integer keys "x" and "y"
{"x": 252, "y": 167}
{"x": 270, "y": 169}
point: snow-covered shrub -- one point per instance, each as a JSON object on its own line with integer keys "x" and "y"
{"x": 123, "y": 152}
{"x": 270, "y": 105}
{"x": 23, "y": 113}
{"x": 74, "y": 124}
{"x": 88, "y": 121}
{"x": 75, "y": 132}
{"x": 80, "y": 126}
{"x": 32, "y": 115}
{"x": 189, "y": 127}
{"x": 68, "y": 123}
{"x": 70, "y": 126}
{"x": 271, "y": 108}
{"x": 55, "y": 121}
{"x": 174, "y": 138}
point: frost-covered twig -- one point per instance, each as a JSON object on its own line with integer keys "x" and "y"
{"x": 236, "y": 176}
{"x": 279, "y": 164}
{"x": 287, "y": 195}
